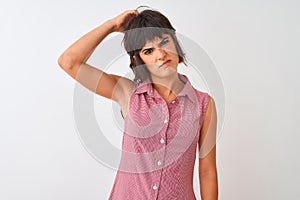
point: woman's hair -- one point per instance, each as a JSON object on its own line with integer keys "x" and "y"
{"x": 146, "y": 26}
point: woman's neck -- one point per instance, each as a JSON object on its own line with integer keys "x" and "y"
{"x": 168, "y": 87}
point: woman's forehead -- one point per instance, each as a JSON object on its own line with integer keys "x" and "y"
{"x": 156, "y": 40}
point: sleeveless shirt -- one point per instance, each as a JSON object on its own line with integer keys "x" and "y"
{"x": 159, "y": 144}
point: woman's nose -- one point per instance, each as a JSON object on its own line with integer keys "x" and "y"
{"x": 161, "y": 53}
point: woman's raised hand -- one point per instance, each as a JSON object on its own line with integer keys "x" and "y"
{"x": 121, "y": 20}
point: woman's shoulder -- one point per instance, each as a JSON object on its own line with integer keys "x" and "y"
{"x": 203, "y": 97}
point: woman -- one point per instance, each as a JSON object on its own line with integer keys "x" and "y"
{"x": 165, "y": 117}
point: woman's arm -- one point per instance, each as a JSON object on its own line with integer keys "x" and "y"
{"x": 73, "y": 61}
{"x": 207, "y": 155}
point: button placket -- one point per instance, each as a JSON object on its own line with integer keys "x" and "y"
{"x": 159, "y": 160}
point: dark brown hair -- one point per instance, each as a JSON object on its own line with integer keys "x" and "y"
{"x": 146, "y": 26}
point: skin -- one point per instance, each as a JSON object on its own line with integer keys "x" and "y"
{"x": 164, "y": 75}
{"x": 208, "y": 175}
{"x": 117, "y": 88}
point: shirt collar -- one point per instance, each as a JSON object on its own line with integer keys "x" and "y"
{"x": 187, "y": 90}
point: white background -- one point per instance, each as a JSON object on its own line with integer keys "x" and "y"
{"x": 254, "y": 45}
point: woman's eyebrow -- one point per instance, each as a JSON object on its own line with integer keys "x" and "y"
{"x": 146, "y": 48}
{"x": 161, "y": 42}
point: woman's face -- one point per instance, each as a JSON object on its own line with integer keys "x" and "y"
{"x": 160, "y": 56}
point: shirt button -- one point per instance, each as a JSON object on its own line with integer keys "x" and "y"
{"x": 154, "y": 187}
{"x": 165, "y": 121}
{"x": 162, "y": 140}
{"x": 173, "y": 101}
{"x": 158, "y": 163}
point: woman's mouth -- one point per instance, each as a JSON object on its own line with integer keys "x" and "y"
{"x": 166, "y": 63}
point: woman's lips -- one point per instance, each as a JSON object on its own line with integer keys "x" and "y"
{"x": 165, "y": 63}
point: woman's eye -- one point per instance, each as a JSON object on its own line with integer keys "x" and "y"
{"x": 148, "y": 51}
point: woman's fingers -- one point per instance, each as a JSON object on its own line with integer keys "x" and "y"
{"x": 123, "y": 19}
